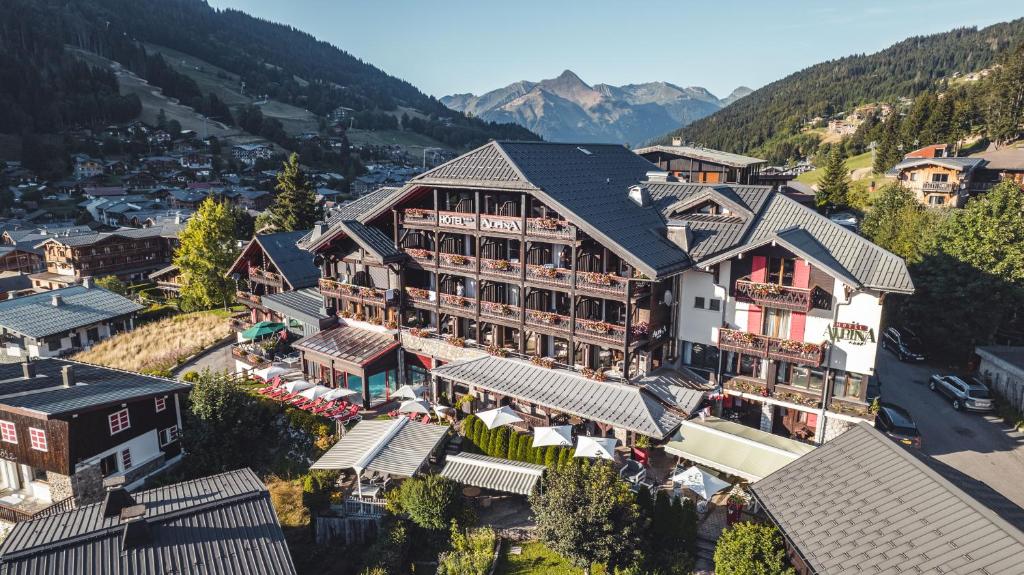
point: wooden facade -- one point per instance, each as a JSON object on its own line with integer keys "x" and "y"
{"x": 125, "y": 257}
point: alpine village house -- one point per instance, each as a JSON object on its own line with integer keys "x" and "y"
{"x": 586, "y": 268}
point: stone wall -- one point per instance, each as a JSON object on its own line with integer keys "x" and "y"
{"x": 60, "y": 486}
{"x": 136, "y": 473}
{"x": 87, "y": 484}
{"x": 834, "y": 427}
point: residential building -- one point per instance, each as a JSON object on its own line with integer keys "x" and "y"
{"x": 271, "y": 264}
{"x": 218, "y": 524}
{"x": 1000, "y": 165}
{"x": 249, "y": 154}
{"x": 930, "y": 151}
{"x": 864, "y": 504}
{"x": 63, "y": 320}
{"x": 65, "y": 426}
{"x": 1001, "y": 368}
{"x": 18, "y": 259}
{"x": 168, "y": 279}
{"x": 129, "y": 254}
{"x": 703, "y": 165}
{"x": 946, "y": 182}
{"x": 86, "y": 167}
{"x": 14, "y": 284}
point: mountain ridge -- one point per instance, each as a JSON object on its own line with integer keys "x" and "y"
{"x": 566, "y": 108}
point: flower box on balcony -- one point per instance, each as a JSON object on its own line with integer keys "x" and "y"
{"x": 498, "y": 265}
{"x": 455, "y": 341}
{"x": 417, "y": 293}
{"x": 419, "y": 253}
{"x": 595, "y": 326}
{"x": 454, "y": 300}
{"x": 545, "y": 362}
{"x": 418, "y": 213}
{"x": 545, "y": 272}
{"x": 496, "y": 351}
{"x": 546, "y": 317}
{"x": 501, "y": 309}
{"x": 592, "y": 374}
{"x": 454, "y": 259}
{"x": 551, "y": 224}
{"x": 599, "y": 279}
{"x": 641, "y": 330}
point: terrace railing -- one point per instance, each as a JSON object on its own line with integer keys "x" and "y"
{"x": 775, "y": 295}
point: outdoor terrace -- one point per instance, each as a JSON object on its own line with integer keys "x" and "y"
{"x": 775, "y": 295}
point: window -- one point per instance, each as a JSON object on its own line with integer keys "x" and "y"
{"x": 38, "y": 475}
{"x": 53, "y": 343}
{"x": 714, "y": 304}
{"x": 161, "y": 404}
{"x": 936, "y": 200}
{"x": 169, "y": 435}
{"x": 8, "y": 432}
{"x": 37, "y": 438}
{"x": 913, "y": 176}
{"x": 119, "y": 421}
{"x": 776, "y": 322}
{"x": 93, "y": 334}
{"x": 108, "y": 465}
{"x": 780, "y": 271}
{"x": 940, "y": 177}
{"x": 847, "y": 384}
{"x": 809, "y": 378}
{"x": 698, "y": 302}
{"x": 126, "y": 459}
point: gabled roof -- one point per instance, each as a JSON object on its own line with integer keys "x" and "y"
{"x": 352, "y": 211}
{"x": 35, "y": 315}
{"x": 958, "y": 164}
{"x": 303, "y": 304}
{"x": 706, "y": 154}
{"x": 217, "y": 525}
{"x": 372, "y": 240}
{"x": 294, "y": 264}
{"x": 352, "y": 345}
{"x": 620, "y": 405}
{"x": 1009, "y": 159}
{"x": 863, "y": 504}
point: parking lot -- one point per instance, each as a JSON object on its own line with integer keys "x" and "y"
{"x": 978, "y": 445}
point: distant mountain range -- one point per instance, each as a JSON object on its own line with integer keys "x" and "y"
{"x": 568, "y": 109}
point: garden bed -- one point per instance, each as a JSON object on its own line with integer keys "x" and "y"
{"x": 536, "y": 559}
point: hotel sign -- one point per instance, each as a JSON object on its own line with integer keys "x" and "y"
{"x": 855, "y": 333}
{"x": 457, "y": 220}
{"x": 504, "y": 225}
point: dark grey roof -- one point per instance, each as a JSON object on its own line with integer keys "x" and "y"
{"x": 1011, "y": 355}
{"x": 707, "y": 154}
{"x": 623, "y": 406}
{"x": 863, "y": 504}
{"x": 350, "y": 344}
{"x": 14, "y": 281}
{"x": 372, "y": 240}
{"x": 1010, "y": 159}
{"x": 165, "y": 230}
{"x": 352, "y": 211}
{"x": 677, "y": 387}
{"x": 294, "y": 264}
{"x": 394, "y": 446}
{"x": 305, "y": 305}
{"x": 959, "y": 164}
{"x": 218, "y": 525}
{"x": 36, "y": 316}
{"x": 101, "y": 386}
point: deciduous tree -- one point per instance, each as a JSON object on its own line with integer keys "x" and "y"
{"x": 751, "y": 549}
{"x": 430, "y": 501}
{"x": 205, "y": 252}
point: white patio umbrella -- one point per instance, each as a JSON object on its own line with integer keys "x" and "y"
{"x": 442, "y": 410}
{"x": 701, "y": 482}
{"x": 497, "y": 417}
{"x": 268, "y": 373}
{"x": 602, "y": 447}
{"x": 560, "y": 435}
{"x": 297, "y": 385}
{"x": 338, "y": 393}
{"x": 408, "y": 392}
{"x": 315, "y": 391}
{"x": 415, "y": 406}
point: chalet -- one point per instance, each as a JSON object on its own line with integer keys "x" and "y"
{"x": 65, "y": 426}
{"x": 127, "y": 253}
{"x": 945, "y": 182}
{"x": 249, "y": 154}
{"x": 19, "y": 259}
{"x": 86, "y": 167}
{"x": 63, "y": 320}
{"x": 703, "y": 165}
{"x": 14, "y": 284}
{"x": 1000, "y": 165}
{"x": 167, "y": 279}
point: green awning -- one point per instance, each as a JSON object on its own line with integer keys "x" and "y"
{"x": 262, "y": 329}
{"x": 734, "y": 448}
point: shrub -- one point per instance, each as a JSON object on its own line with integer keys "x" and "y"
{"x": 287, "y": 497}
{"x": 430, "y": 501}
{"x": 513, "y": 446}
{"x": 472, "y": 553}
{"x": 551, "y": 456}
{"x": 748, "y": 548}
{"x": 191, "y": 377}
{"x": 500, "y": 448}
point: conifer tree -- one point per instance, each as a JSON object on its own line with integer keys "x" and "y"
{"x": 295, "y": 206}
{"x": 834, "y": 187}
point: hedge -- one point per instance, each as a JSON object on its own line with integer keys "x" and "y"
{"x": 506, "y": 443}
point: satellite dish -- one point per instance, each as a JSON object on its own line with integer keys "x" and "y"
{"x": 318, "y": 260}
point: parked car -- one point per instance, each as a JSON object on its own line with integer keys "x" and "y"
{"x": 903, "y": 342}
{"x": 972, "y": 396}
{"x": 896, "y": 423}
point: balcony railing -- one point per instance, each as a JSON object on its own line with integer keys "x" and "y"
{"x": 362, "y": 294}
{"x": 937, "y": 187}
{"x": 550, "y": 275}
{"x": 419, "y": 295}
{"x": 246, "y": 297}
{"x": 548, "y": 320}
{"x": 601, "y": 282}
{"x": 265, "y": 277}
{"x": 422, "y": 256}
{"x": 14, "y": 514}
{"x": 240, "y": 323}
{"x": 457, "y": 262}
{"x": 550, "y": 228}
{"x": 255, "y": 360}
{"x": 458, "y": 220}
{"x": 601, "y": 331}
{"x": 500, "y": 311}
{"x": 771, "y": 347}
{"x": 775, "y": 295}
{"x": 458, "y": 304}
{"x": 501, "y": 268}
{"x": 419, "y": 216}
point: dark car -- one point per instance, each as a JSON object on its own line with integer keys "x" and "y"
{"x": 972, "y": 395}
{"x": 903, "y": 342}
{"x": 895, "y": 422}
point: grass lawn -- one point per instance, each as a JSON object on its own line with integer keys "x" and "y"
{"x": 852, "y": 163}
{"x": 160, "y": 345}
{"x": 537, "y": 559}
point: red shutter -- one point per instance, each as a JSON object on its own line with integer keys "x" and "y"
{"x": 797, "y": 323}
{"x": 801, "y": 274}
{"x": 812, "y": 420}
{"x": 754, "y": 315}
{"x": 758, "y": 269}
{"x": 801, "y": 279}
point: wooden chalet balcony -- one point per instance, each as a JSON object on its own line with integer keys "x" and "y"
{"x": 248, "y": 298}
{"x": 775, "y": 295}
{"x": 944, "y": 187}
{"x": 368, "y": 295}
{"x": 255, "y": 360}
{"x": 457, "y": 262}
{"x": 421, "y": 256}
{"x": 33, "y": 508}
{"x": 501, "y": 268}
{"x": 458, "y": 304}
{"x": 771, "y": 347}
{"x": 549, "y": 275}
{"x": 605, "y": 284}
{"x": 550, "y": 228}
{"x": 418, "y": 296}
{"x": 501, "y": 311}
{"x": 548, "y": 321}
{"x": 265, "y": 277}
{"x": 601, "y": 331}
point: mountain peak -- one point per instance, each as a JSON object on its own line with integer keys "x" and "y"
{"x": 736, "y": 94}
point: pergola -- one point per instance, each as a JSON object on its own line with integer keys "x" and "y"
{"x": 493, "y": 473}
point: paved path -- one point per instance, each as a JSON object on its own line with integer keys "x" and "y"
{"x": 217, "y": 360}
{"x": 980, "y": 446}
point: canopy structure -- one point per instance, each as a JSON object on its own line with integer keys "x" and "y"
{"x": 262, "y": 329}
{"x": 560, "y": 435}
{"x": 493, "y": 473}
{"x": 408, "y": 392}
{"x": 268, "y": 373}
{"x": 315, "y": 391}
{"x": 415, "y": 406}
{"x": 393, "y": 446}
{"x": 734, "y": 448}
{"x": 700, "y": 481}
{"x": 497, "y": 417}
{"x": 598, "y": 447}
{"x": 339, "y": 393}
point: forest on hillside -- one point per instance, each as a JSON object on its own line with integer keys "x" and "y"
{"x": 770, "y": 122}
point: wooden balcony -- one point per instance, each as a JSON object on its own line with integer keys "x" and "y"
{"x": 504, "y": 269}
{"x": 771, "y": 347}
{"x": 32, "y": 508}
{"x": 547, "y": 228}
{"x": 548, "y": 321}
{"x": 421, "y": 256}
{"x": 601, "y": 331}
{"x": 457, "y": 262}
{"x": 261, "y": 276}
{"x": 457, "y": 304}
{"x": 255, "y": 360}
{"x": 361, "y": 294}
{"x": 419, "y": 297}
{"x": 248, "y": 298}
{"x": 549, "y": 275}
{"x": 774, "y": 295}
{"x": 457, "y": 220}
{"x": 943, "y": 187}
{"x": 550, "y": 228}
{"x": 500, "y": 311}
{"x": 604, "y": 284}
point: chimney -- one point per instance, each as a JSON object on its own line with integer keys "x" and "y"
{"x": 319, "y": 229}
{"x": 56, "y": 300}
{"x": 660, "y": 176}
{"x": 28, "y": 369}
{"x": 116, "y": 498}
{"x": 681, "y": 235}
{"x": 136, "y": 530}
{"x": 67, "y": 375}
{"x": 640, "y": 195}
{"x": 677, "y": 141}
{"x": 87, "y": 282}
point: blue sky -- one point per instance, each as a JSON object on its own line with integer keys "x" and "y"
{"x": 451, "y": 46}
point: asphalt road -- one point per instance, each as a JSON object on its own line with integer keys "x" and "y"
{"x": 978, "y": 445}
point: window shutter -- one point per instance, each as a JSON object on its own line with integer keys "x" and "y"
{"x": 797, "y": 323}
{"x": 801, "y": 274}
{"x": 758, "y": 268}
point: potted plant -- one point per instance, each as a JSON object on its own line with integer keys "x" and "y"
{"x": 455, "y": 259}
{"x": 542, "y": 361}
{"x": 496, "y": 351}
{"x": 419, "y": 253}
{"x": 417, "y": 293}
{"x": 641, "y": 329}
{"x": 547, "y": 223}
